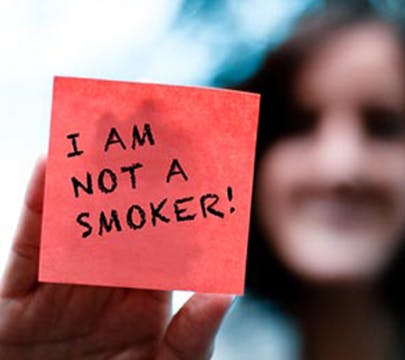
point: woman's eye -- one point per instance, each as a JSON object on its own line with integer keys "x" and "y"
{"x": 384, "y": 124}
{"x": 300, "y": 122}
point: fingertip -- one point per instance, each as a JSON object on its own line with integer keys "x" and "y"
{"x": 209, "y": 309}
{"x": 35, "y": 191}
{"x": 222, "y": 300}
{"x": 191, "y": 333}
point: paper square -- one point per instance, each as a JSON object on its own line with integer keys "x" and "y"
{"x": 148, "y": 186}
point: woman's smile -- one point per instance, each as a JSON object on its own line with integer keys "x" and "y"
{"x": 340, "y": 213}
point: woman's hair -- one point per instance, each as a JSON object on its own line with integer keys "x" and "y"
{"x": 266, "y": 275}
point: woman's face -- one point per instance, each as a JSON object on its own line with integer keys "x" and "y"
{"x": 331, "y": 196}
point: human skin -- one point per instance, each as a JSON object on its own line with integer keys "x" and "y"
{"x": 54, "y": 321}
{"x": 331, "y": 196}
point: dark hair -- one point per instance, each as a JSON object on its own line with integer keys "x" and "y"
{"x": 266, "y": 275}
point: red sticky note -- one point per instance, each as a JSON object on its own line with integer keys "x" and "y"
{"x": 148, "y": 186}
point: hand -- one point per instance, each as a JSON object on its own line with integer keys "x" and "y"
{"x": 53, "y": 321}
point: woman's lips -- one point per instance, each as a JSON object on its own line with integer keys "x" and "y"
{"x": 342, "y": 212}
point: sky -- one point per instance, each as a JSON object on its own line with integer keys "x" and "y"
{"x": 168, "y": 41}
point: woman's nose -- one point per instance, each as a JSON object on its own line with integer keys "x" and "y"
{"x": 340, "y": 148}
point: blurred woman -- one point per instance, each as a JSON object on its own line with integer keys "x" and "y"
{"x": 328, "y": 225}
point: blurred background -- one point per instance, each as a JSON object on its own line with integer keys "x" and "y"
{"x": 189, "y": 42}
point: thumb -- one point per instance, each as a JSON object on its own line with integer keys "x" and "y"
{"x": 191, "y": 333}
{"x": 21, "y": 272}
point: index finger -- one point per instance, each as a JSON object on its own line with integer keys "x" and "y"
{"x": 21, "y": 272}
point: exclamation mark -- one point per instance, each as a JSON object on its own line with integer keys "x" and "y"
{"x": 230, "y": 197}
